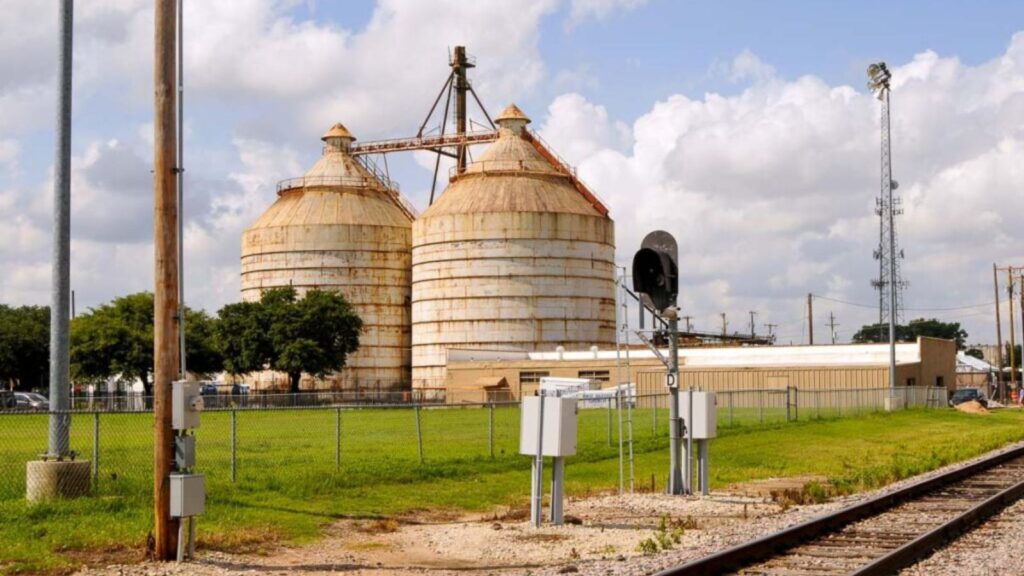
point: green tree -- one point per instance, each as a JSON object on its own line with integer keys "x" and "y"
{"x": 202, "y": 349}
{"x": 117, "y": 339}
{"x": 975, "y": 353}
{"x": 314, "y": 334}
{"x": 25, "y": 346}
{"x": 929, "y": 327}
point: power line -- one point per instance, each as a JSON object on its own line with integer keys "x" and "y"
{"x": 875, "y": 306}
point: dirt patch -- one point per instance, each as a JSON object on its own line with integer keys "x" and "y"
{"x": 770, "y": 488}
{"x": 972, "y": 407}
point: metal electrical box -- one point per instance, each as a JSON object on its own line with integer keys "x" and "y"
{"x": 184, "y": 452}
{"x": 188, "y": 495}
{"x": 186, "y": 404}
{"x": 559, "y": 426}
{"x": 705, "y": 420}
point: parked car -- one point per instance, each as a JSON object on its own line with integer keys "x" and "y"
{"x": 208, "y": 388}
{"x": 7, "y": 400}
{"x": 32, "y": 401}
{"x": 966, "y": 395}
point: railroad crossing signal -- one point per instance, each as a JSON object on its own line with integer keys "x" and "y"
{"x": 655, "y": 272}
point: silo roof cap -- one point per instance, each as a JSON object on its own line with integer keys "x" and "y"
{"x": 338, "y": 131}
{"x": 512, "y": 112}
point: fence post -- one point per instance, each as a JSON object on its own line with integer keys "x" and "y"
{"x": 788, "y": 403}
{"x": 654, "y": 415}
{"x": 728, "y": 396}
{"x": 234, "y": 444}
{"x": 95, "y": 447}
{"x": 760, "y": 406}
{"x": 419, "y": 432}
{"x": 337, "y": 439}
{"x": 609, "y": 421}
{"x": 490, "y": 429}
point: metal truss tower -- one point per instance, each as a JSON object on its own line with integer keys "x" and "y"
{"x": 889, "y": 283}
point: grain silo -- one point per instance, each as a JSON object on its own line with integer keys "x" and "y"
{"x": 516, "y": 254}
{"x": 342, "y": 227}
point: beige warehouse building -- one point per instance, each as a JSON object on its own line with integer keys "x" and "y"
{"x": 341, "y": 227}
{"x": 479, "y": 375}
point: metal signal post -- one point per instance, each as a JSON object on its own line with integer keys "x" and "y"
{"x": 656, "y": 278}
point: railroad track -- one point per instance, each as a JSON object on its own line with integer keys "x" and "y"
{"x": 881, "y": 535}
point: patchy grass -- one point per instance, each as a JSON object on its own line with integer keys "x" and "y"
{"x": 289, "y": 487}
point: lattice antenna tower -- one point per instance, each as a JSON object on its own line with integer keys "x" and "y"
{"x": 890, "y": 283}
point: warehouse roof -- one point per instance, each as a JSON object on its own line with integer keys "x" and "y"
{"x": 726, "y": 357}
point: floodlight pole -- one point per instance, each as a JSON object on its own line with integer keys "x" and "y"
{"x": 879, "y": 77}
{"x": 61, "y": 276}
{"x": 676, "y": 484}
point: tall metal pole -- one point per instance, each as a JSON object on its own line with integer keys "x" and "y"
{"x": 887, "y": 189}
{"x": 60, "y": 288}
{"x": 675, "y": 474}
{"x": 459, "y": 65}
{"x": 179, "y": 163}
{"x": 1000, "y": 381}
{"x": 165, "y": 293}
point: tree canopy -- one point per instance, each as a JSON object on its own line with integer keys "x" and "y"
{"x": 314, "y": 334}
{"x": 929, "y": 327}
{"x": 25, "y": 346}
{"x": 117, "y": 339}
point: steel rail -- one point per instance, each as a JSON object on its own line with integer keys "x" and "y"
{"x": 766, "y": 547}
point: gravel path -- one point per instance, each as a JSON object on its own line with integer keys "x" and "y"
{"x": 604, "y": 542}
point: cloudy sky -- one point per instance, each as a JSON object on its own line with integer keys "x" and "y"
{"x": 743, "y": 127}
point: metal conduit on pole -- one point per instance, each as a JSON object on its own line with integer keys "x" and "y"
{"x": 179, "y": 168}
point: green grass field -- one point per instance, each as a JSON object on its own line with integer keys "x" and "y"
{"x": 289, "y": 484}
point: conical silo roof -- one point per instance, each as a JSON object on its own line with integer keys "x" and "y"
{"x": 512, "y": 175}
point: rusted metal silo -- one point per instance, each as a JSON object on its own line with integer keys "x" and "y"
{"x": 516, "y": 254}
{"x": 342, "y": 227}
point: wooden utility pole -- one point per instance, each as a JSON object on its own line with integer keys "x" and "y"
{"x": 832, "y": 325}
{"x": 752, "y": 333}
{"x": 1013, "y": 352}
{"x": 165, "y": 292}
{"x": 1013, "y": 335}
{"x": 725, "y": 323}
{"x": 999, "y": 338}
{"x": 810, "y": 319}
{"x": 689, "y": 324}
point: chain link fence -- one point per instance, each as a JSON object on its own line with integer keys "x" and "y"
{"x": 271, "y": 445}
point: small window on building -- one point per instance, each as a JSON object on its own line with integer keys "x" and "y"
{"x": 599, "y": 376}
{"x": 911, "y": 381}
{"x": 532, "y": 377}
{"x": 529, "y": 382}
{"x": 940, "y": 382}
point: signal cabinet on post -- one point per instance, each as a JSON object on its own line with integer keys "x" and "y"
{"x": 705, "y": 420}
{"x": 559, "y": 426}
